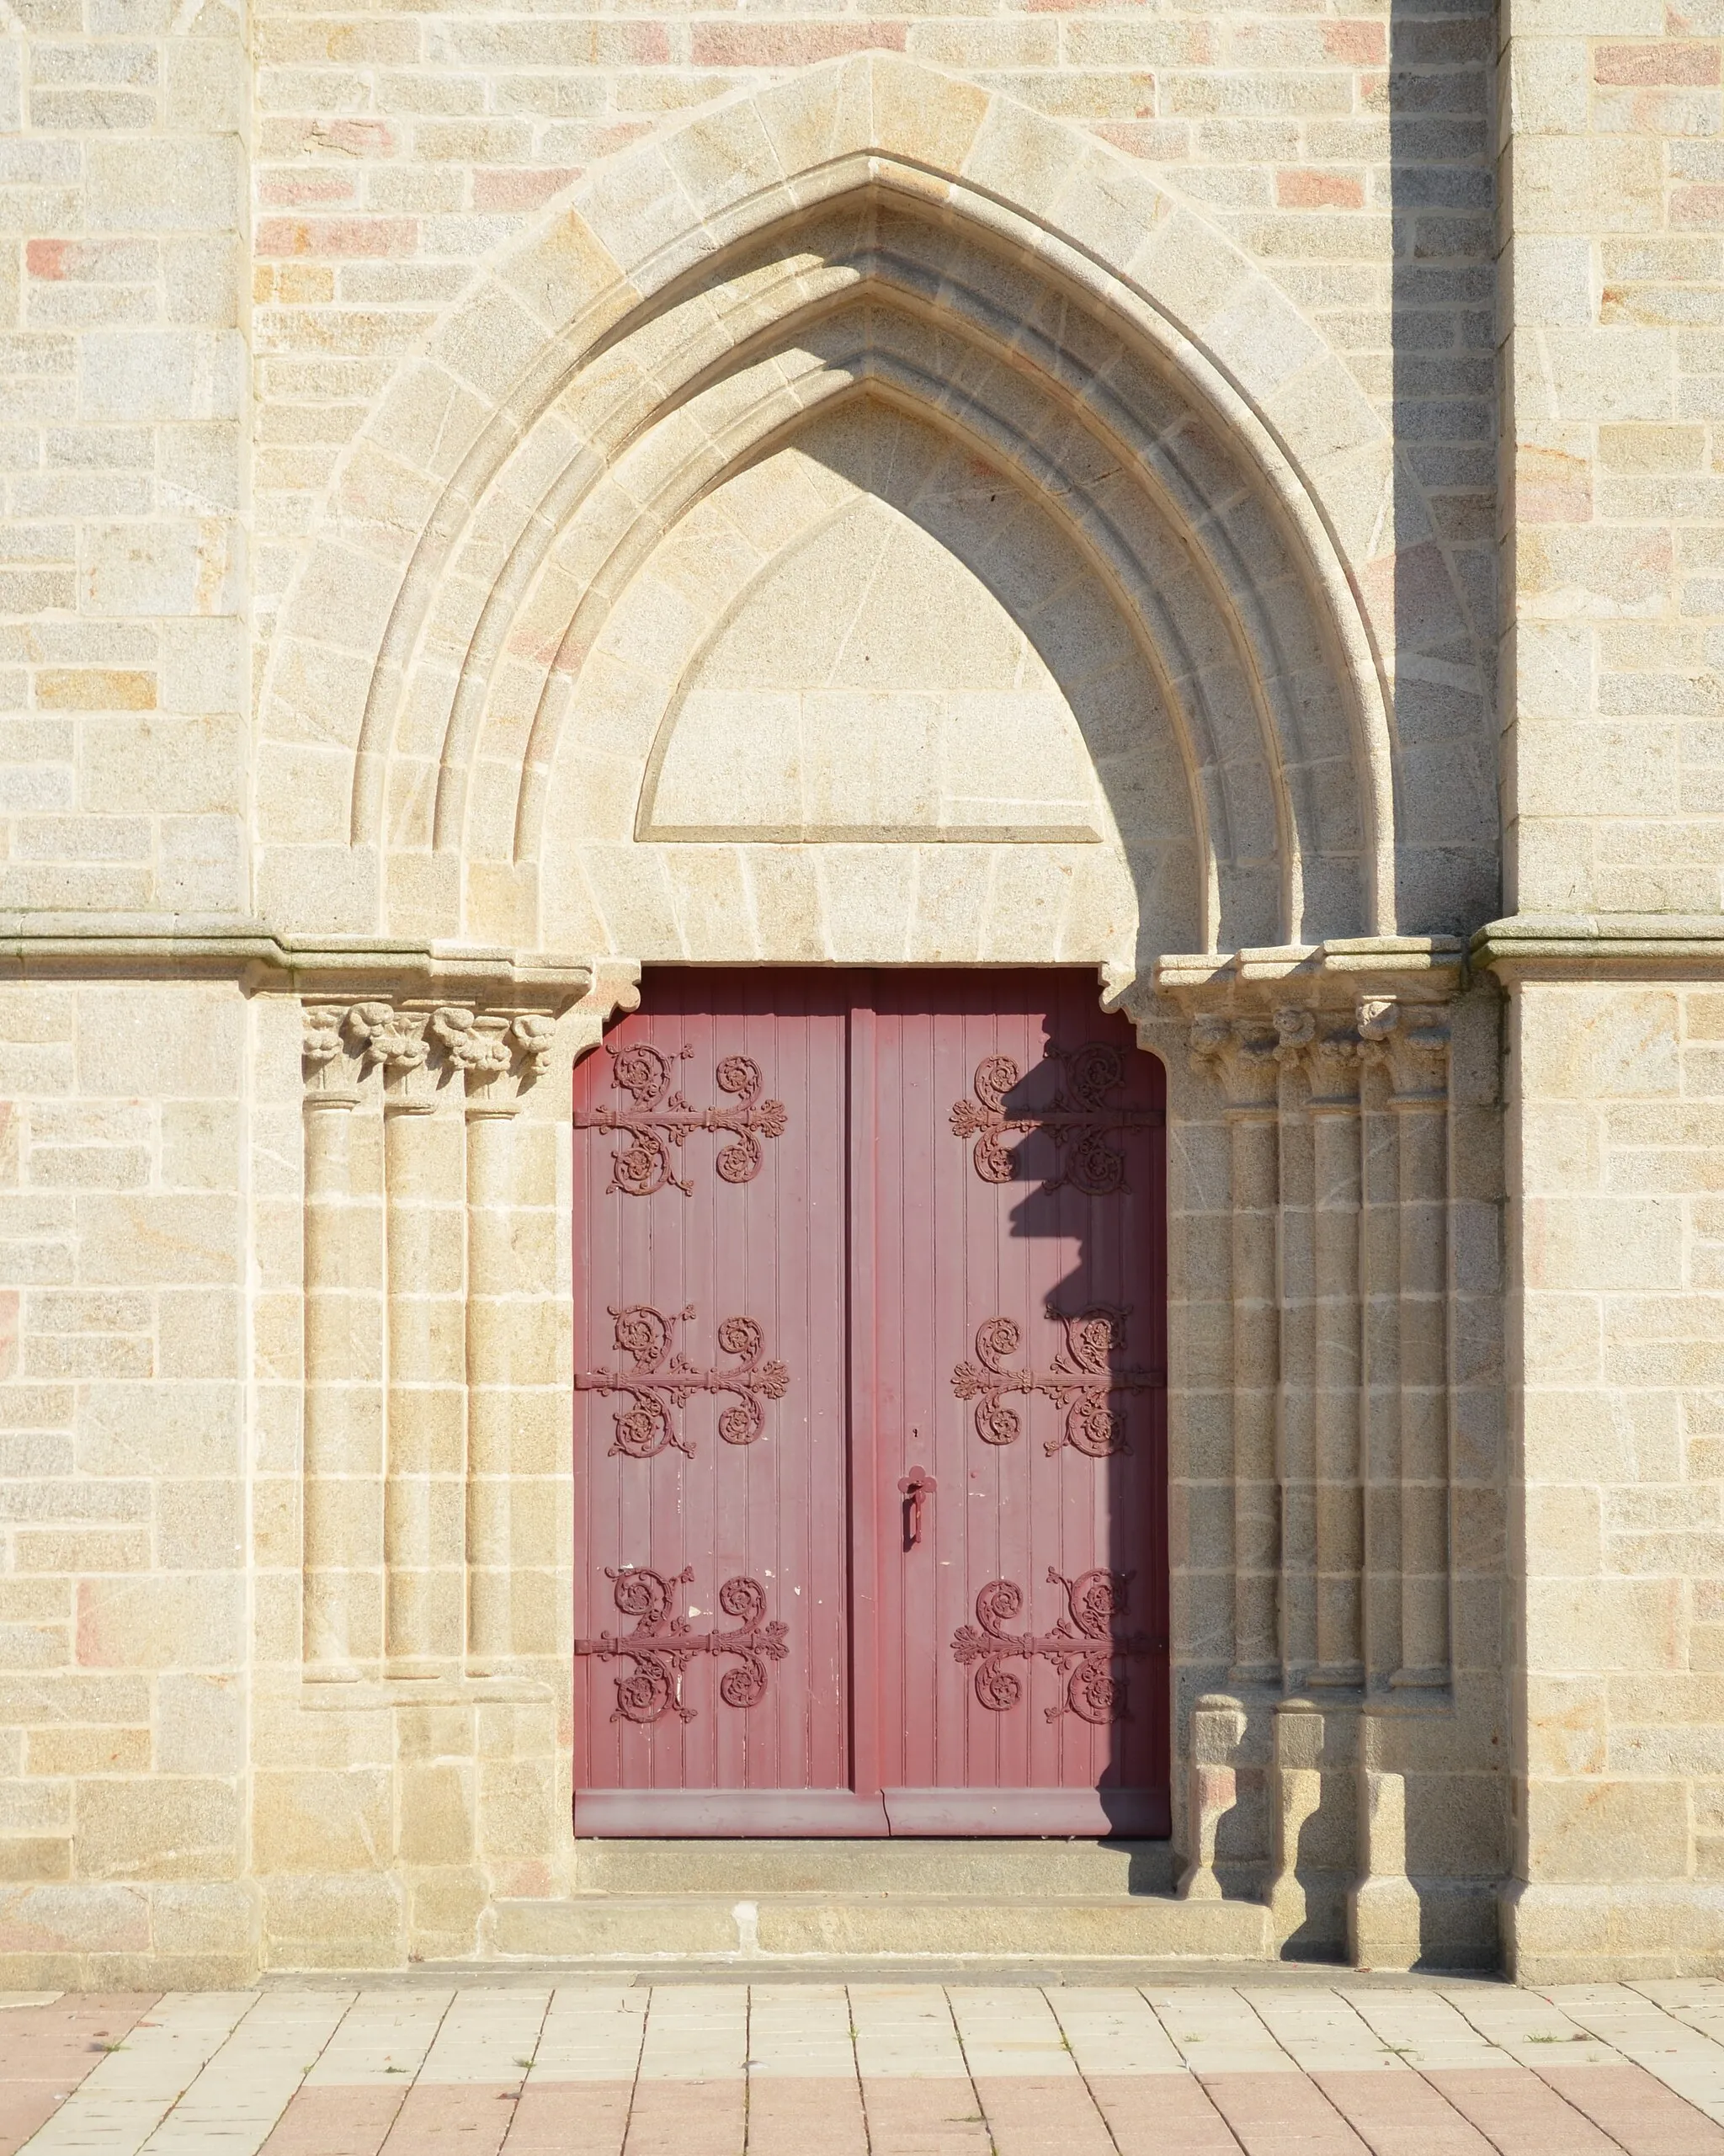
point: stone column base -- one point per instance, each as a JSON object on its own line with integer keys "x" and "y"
{"x": 1385, "y": 1928}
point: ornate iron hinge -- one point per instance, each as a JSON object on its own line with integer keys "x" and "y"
{"x": 645, "y": 1427}
{"x": 1082, "y": 1381}
{"x": 660, "y": 1119}
{"x": 661, "y": 1652}
{"x": 1077, "y": 1118}
{"x": 1082, "y": 1647}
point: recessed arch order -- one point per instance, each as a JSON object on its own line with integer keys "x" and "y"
{"x": 1176, "y": 451}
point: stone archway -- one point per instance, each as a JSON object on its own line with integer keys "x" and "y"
{"x": 610, "y": 643}
{"x": 874, "y": 235}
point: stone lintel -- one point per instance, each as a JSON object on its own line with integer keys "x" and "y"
{"x": 1331, "y": 976}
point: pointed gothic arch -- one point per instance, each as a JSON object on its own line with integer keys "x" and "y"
{"x": 867, "y": 228}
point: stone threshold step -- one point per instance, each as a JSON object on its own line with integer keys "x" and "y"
{"x": 535, "y": 1974}
{"x": 988, "y": 1869}
{"x": 622, "y": 1927}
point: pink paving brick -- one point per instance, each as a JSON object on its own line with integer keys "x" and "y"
{"x": 1516, "y": 2114}
{"x": 1400, "y": 2115}
{"x": 590, "y": 2116}
{"x": 687, "y": 2118}
{"x": 1628, "y": 2104}
{"x": 1275, "y": 2114}
{"x": 923, "y": 2118}
{"x": 1029, "y": 2115}
{"x": 1160, "y": 2114}
{"x": 46, "y": 2050}
{"x": 40, "y": 2043}
{"x": 461, "y": 2119}
{"x": 791, "y": 2116}
{"x": 334, "y": 2121}
{"x": 26, "y": 2105}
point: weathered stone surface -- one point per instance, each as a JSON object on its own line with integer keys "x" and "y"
{"x": 1220, "y": 498}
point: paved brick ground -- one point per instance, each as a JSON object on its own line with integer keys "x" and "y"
{"x": 1180, "y": 2068}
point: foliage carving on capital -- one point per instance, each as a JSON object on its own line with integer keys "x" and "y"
{"x": 475, "y": 1044}
{"x": 321, "y": 1041}
{"x": 1412, "y": 1040}
{"x": 328, "y": 1064}
{"x": 494, "y": 1054}
{"x": 394, "y": 1042}
{"x": 1211, "y": 1037}
{"x": 1241, "y": 1052}
{"x": 476, "y": 1047}
{"x": 1418, "y": 1056}
{"x": 1333, "y": 1059}
{"x": 387, "y": 1038}
{"x": 535, "y": 1035}
{"x": 1295, "y": 1029}
{"x": 497, "y": 1054}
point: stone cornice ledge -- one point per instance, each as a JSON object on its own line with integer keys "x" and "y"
{"x": 1577, "y": 946}
{"x": 1331, "y": 975}
{"x": 263, "y": 958}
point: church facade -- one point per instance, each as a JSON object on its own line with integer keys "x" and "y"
{"x": 863, "y": 965}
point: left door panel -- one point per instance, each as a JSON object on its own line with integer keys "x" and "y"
{"x": 712, "y": 1692}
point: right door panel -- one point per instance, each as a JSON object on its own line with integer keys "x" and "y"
{"x": 1009, "y": 1351}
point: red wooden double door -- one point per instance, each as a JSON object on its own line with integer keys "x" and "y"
{"x": 870, "y": 1431}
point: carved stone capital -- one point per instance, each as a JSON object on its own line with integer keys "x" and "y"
{"x": 1310, "y": 1039}
{"x": 1295, "y": 1029}
{"x": 394, "y": 1042}
{"x": 330, "y": 1067}
{"x": 423, "y": 1048}
{"x": 1241, "y": 1052}
{"x": 475, "y": 1044}
{"x": 1333, "y": 1059}
{"x": 1418, "y": 1058}
{"x": 533, "y": 1036}
{"x": 1212, "y": 1039}
{"x": 1411, "y": 1038}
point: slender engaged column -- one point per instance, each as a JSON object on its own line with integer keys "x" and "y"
{"x": 340, "y": 1613}
{"x": 1380, "y": 1298}
{"x": 489, "y": 1159}
{"x": 1418, "y": 1051}
{"x": 423, "y": 1542}
{"x": 1242, "y": 1055}
{"x": 1333, "y": 1064}
{"x": 1296, "y": 1415}
{"x": 483, "y": 1048}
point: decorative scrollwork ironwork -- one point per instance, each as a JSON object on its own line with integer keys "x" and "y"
{"x": 1082, "y": 1646}
{"x": 660, "y": 1380}
{"x": 1077, "y": 1118}
{"x": 1082, "y": 1381}
{"x": 661, "y": 1118}
{"x": 660, "y": 1647}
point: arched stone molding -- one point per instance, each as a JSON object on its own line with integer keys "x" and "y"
{"x": 680, "y": 270}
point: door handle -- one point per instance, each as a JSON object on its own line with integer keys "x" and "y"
{"x": 915, "y": 1489}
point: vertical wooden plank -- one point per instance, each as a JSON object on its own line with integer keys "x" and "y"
{"x": 874, "y": 1524}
